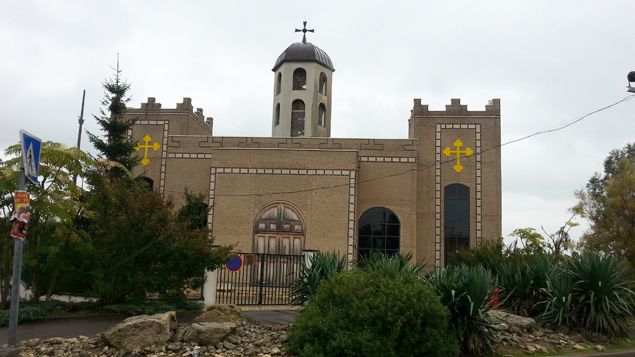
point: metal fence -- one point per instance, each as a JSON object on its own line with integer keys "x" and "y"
{"x": 263, "y": 279}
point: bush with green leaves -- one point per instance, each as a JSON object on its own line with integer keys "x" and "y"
{"x": 466, "y": 291}
{"x": 593, "y": 291}
{"x": 522, "y": 278}
{"x": 321, "y": 267}
{"x": 392, "y": 264}
{"x": 368, "y": 313}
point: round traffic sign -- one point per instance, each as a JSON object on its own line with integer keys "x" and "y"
{"x": 234, "y": 263}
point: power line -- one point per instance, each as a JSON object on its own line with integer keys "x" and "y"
{"x": 546, "y": 131}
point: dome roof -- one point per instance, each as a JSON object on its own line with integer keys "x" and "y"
{"x": 304, "y": 52}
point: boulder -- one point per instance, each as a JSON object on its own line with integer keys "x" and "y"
{"x": 141, "y": 331}
{"x": 497, "y": 317}
{"x": 208, "y": 333}
{"x": 220, "y": 313}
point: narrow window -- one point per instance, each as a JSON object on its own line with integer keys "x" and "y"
{"x": 299, "y": 79}
{"x": 277, "y": 114}
{"x": 456, "y": 219}
{"x": 297, "y": 118}
{"x": 279, "y": 83}
{"x": 322, "y": 115}
{"x": 322, "y": 83}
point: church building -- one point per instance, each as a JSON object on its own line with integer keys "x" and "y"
{"x": 431, "y": 194}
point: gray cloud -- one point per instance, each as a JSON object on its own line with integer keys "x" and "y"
{"x": 549, "y": 62}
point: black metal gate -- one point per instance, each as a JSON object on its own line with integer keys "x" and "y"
{"x": 263, "y": 279}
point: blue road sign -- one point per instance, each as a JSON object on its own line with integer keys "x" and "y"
{"x": 31, "y": 147}
{"x": 234, "y": 263}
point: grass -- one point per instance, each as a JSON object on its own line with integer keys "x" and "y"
{"x": 614, "y": 345}
{"x": 59, "y": 309}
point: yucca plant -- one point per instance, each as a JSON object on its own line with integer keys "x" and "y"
{"x": 321, "y": 267}
{"x": 466, "y": 291}
{"x": 391, "y": 265}
{"x": 516, "y": 279}
{"x": 602, "y": 297}
{"x": 557, "y": 305}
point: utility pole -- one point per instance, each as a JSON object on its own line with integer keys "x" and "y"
{"x": 79, "y": 133}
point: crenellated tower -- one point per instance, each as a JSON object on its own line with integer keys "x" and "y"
{"x": 303, "y": 76}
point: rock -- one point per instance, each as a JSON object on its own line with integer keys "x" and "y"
{"x": 220, "y": 313}
{"x": 275, "y": 350}
{"x": 141, "y": 331}
{"x": 228, "y": 345}
{"x": 233, "y": 339}
{"x": 514, "y": 321}
{"x": 599, "y": 348}
{"x": 174, "y": 346}
{"x": 578, "y": 347}
{"x": 208, "y": 333}
{"x": 283, "y": 338}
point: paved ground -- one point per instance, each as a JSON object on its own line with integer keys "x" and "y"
{"x": 91, "y": 326}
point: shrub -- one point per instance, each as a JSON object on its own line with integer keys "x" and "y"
{"x": 466, "y": 291}
{"x": 368, "y": 313}
{"x": 523, "y": 277}
{"x": 557, "y": 300}
{"x": 602, "y": 296}
{"x": 391, "y": 265}
{"x": 593, "y": 291}
{"x": 489, "y": 254}
{"x": 321, "y": 267}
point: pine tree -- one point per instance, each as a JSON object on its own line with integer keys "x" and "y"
{"x": 117, "y": 147}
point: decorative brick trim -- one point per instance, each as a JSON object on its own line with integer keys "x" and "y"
{"x": 392, "y": 159}
{"x": 164, "y": 148}
{"x": 352, "y": 183}
{"x": 189, "y": 156}
{"x": 437, "y": 187}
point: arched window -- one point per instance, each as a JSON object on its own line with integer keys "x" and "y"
{"x": 299, "y": 79}
{"x": 279, "y": 229}
{"x": 456, "y": 219}
{"x": 277, "y": 114}
{"x": 148, "y": 182}
{"x": 322, "y": 87}
{"x": 297, "y": 118}
{"x": 322, "y": 115}
{"x": 279, "y": 83}
{"x": 378, "y": 232}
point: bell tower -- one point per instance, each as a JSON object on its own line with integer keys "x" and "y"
{"x": 303, "y": 76}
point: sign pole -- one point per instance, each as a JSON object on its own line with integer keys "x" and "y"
{"x": 17, "y": 272}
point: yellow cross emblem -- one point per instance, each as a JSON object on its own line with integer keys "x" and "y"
{"x": 147, "y": 139}
{"x": 458, "y": 144}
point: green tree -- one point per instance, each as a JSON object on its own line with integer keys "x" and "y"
{"x": 54, "y": 206}
{"x": 142, "y": 246}
{"x": 117, "y": 147}
{"x": 608, "y": 202}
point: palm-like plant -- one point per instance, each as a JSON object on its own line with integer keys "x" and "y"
{"x": 320, "y": 267}
{"x": 466, "y": 291}
{"x": 391, "y": 265}
{"x": 604, "y": 300}
{"x": 557, "y": 300}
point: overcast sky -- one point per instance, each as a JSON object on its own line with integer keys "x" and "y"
{"x": 550, "y": 62}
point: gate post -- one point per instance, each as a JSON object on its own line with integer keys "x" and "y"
{"x": 308, "y": 257}
{"x": 209, "y": 287}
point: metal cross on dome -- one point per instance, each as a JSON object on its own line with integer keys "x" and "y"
{"x": 304, "y": 31}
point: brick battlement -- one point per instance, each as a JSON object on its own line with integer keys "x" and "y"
{"x": 455, "y": 108}
{"x": 185, "y": 107}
